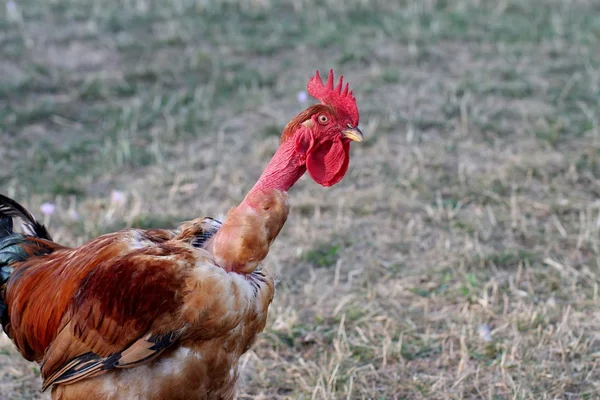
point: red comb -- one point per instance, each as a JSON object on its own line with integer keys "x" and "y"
{"x": 335, "y": 97}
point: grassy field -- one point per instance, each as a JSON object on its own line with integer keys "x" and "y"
{"x": 458, "y": 259}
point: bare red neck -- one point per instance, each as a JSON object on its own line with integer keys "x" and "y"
{"x": 282, "y": 172}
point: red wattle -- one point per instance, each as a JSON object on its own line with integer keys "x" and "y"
{"x": 328, "y": 162}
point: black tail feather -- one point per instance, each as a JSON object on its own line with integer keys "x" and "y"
{"x": 11, "y": 250}
{"x": 6, "y": 226}
{"x": 10, "y": 209}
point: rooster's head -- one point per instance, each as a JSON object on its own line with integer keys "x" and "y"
{"x": 323, "y": 132}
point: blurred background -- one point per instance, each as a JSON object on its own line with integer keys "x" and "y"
{"x": 458, "y": 259}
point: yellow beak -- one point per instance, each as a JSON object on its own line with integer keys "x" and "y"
{"x": 353, "y": 134}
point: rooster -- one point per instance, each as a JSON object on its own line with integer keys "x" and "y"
{"x": 164, "y": 314}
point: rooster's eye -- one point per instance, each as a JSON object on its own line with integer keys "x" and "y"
{"x": 323, "y": 119}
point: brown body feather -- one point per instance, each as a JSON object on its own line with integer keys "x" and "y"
{"x": 153, "y": 300}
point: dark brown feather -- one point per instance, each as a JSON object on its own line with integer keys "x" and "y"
{"x": 146, "y": 297}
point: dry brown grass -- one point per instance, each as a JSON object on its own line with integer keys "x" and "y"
{"x": 472, "y": 207}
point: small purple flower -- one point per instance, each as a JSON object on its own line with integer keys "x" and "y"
{"x": 117, "y": 197}
{"x": 302, "y": 97}
{"x": 47, "y": 208}
{"x": 12, "y": 11}
{"x": 484, "y": 332}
